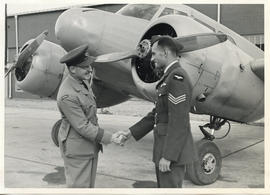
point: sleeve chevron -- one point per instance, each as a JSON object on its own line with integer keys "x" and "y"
{"x": 176, "y": 100}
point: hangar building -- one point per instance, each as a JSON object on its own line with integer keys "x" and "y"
{"x": 245, "y": 19}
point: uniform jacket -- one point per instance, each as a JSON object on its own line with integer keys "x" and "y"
{"x": 79, "y": 130}
{"x": 170, "y": 119}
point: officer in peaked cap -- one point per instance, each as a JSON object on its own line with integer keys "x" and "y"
{"x": 173, "y": 142}
{"x": 80, "y": 136}
{"x": 78, "y": 57}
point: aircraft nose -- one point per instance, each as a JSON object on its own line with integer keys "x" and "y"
{"x": 78, "y": 26}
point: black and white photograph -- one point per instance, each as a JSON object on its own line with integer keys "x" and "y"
{"x": 132, "y": 95}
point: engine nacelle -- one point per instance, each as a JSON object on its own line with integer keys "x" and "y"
{"x": 42, "y": 73}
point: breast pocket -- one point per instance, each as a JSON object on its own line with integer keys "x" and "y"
{"x": 86, "y": 102}
{"x": 89, "y": 107}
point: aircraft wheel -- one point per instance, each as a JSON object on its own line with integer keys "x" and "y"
{"x": 54, "y": 133}
{"x": 207, "y": 169}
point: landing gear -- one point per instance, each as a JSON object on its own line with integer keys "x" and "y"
{"x": 55, "y": 131}
{"x": 215, "y": 124}
{"x": 207, "y": 169}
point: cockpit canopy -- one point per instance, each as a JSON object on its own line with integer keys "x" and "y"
{"x": 143, "y": 11}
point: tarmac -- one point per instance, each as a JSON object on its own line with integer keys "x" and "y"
{"x": 33, "y": 161}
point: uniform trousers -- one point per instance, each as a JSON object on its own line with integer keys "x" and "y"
{"x": 171, "y": 179}
{"x": 80, "y": 171}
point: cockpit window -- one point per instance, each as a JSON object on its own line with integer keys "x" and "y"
{"x": 143, "y": 11}
{"x": 169, "y": 11}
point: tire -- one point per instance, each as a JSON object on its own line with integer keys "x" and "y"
{"x": 55, "y": 131}
{"x": 207, "y": 169}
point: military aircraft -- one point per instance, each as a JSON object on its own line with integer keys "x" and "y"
{"x": 226, "y": 70}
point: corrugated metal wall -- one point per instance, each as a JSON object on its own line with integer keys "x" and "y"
{"x": 243, "y": 19}
{"x": 207, "y": 9}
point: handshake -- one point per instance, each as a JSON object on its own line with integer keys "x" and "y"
{"x": 120, "y": 137}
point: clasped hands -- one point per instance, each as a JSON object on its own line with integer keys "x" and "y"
{"x": 120, "y": 137}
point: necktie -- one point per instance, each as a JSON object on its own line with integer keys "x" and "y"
{"x": 85, "y": 86}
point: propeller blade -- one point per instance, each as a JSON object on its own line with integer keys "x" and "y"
{"x": 10, "y": 69}
{"x": 189, "y": 43}
{"x": 200, "y": 41}
{"x": 141, "y": 51}
{"x": 28, "y": 51}
{"x": 116, "y": 56}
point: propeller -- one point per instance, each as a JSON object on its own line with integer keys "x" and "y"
{"x": 28, "y": 51}
{"x": 188, "y": 43}
{"x": 141, "y": 51}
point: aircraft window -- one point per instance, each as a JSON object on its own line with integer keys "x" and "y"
{"x": 203, "y": 23}
{"x": 144, "y": 11}
{"x": 169, "y": 11}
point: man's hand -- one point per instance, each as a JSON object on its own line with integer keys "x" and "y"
{"x": 126, "y": 133}
{"x": 164, "y": 165}
{"x": 120, "y": 137}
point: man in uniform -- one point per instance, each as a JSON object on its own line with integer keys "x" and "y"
{"x": 173, "y": 142}
{"x": 80, "y": 136}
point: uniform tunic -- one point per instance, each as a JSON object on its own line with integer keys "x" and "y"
{"x": 80, "y": 136}
{"x": 170, "y": 121}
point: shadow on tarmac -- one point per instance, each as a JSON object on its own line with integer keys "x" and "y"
{"x": 56, "y": 178}
{"x": 144, "y": 184}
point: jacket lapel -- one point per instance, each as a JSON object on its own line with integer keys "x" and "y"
{"x": 76, "y": 85}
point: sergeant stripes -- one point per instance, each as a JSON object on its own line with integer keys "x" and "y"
{"x": 176, "y": 100}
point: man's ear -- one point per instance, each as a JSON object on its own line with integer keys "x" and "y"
{"x": 72, "y": 69}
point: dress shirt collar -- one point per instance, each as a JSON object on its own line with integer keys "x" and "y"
{"x": 166, "y": 69}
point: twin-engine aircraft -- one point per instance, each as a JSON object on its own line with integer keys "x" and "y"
{"x": 226, "y": 70}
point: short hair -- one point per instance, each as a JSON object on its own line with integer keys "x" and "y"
{"x": 169, "y": 43}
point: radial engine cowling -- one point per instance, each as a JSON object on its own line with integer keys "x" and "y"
{"x": 42, "y": 73}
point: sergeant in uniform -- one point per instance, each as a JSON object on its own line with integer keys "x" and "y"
{"x": 173, "y": 142}
{"x": 80, "y": 136}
